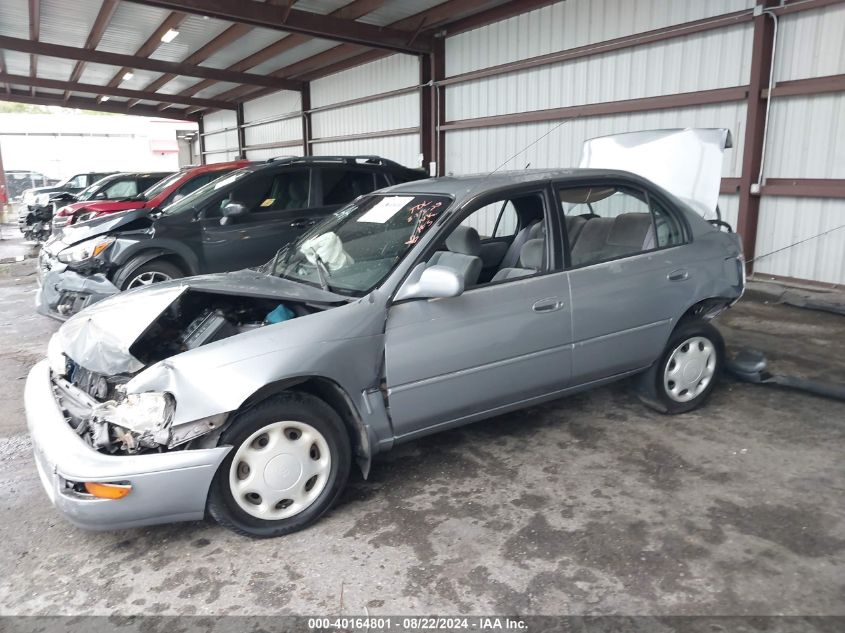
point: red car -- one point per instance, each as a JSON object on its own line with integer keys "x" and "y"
{"x": 158, "y": 196}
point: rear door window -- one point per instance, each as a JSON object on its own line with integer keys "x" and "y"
{"x": 342, "y": 185}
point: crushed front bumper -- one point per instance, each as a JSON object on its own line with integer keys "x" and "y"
{"x": 166, "y": 487}
{"x": 64, "y": 292}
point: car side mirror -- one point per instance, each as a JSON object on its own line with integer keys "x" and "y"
{"x": 431, "y": 282}
{"x": 231, "y": 211}
{"x": 100, "y": 196}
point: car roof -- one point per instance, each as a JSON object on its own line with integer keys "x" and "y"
{"x": 201, "y": 169}
{"x": 462, "y": 188}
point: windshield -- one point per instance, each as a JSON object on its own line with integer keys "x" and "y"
{"x": 91, "y": 190}
{"x": 160, "y": 186}
{"x": 197, "y": 198}
{"x": 354, "y": 251}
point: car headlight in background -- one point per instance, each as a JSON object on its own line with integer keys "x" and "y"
{"x": 85, "y": 250}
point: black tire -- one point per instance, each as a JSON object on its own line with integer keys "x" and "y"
{"x": 653, "y": 383}
{"x": 156, "y": 266}
{"x": 293, "y": 406}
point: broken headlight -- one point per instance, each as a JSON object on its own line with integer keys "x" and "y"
{"x": 141, "y": 420}
{"x": 85, "y": 250}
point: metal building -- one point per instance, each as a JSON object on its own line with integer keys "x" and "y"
{"x": 461, "y": 87}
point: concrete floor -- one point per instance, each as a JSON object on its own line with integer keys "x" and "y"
{"x": 593, "y": 504}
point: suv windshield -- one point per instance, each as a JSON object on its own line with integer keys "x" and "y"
{"x": 90, "y": 190}
{"x": 354, "y": 251}
{"x": 160, "y": 186}
{"x": 197, "y": 198}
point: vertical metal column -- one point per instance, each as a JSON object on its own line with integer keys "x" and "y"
{"x": 201, "y": 136}
{"x": 239, "y": 119}
{"x": 305, "y": 94}
{"x": 755, "y": 119}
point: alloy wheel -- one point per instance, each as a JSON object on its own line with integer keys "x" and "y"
{"x": 147, "y": 278}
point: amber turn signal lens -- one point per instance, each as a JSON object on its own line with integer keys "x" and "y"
{"x": 107, "y": 491}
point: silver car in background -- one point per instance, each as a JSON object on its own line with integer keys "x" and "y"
{"x": 247, "y": 396}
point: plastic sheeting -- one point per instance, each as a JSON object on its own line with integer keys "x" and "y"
{"x": 685, "y": 162}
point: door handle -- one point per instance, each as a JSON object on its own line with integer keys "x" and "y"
{"x": 549, "y": 304}
{"x": 678, "y": 275}
{"x": 303, "y": 223}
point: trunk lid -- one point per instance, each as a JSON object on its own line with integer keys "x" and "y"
{"x": 685, "y": 162}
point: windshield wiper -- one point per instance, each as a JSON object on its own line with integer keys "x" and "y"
{"x": 322, "y": 272}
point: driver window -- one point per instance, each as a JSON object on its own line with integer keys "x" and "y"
{"x": 501, "y": 241}
{"x": 80, "y": 181}
{"x": 607, "y": 222}
{"x": 284, "y": 190}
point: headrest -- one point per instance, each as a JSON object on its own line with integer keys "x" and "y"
{"x": 464, "y": 240}
{"x": 531, "y": 255}
{"x": 630, "y": 230}
{"x": 538, "y": 229}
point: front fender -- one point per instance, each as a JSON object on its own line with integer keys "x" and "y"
{"x": 139, "y": 252}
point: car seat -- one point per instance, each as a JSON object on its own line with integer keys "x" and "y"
{"x": 462, "y": 256}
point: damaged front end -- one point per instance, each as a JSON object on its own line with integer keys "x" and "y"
{"x": 96, "y": 355}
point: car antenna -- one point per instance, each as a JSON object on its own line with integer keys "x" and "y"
{"x": 531, "y": 144}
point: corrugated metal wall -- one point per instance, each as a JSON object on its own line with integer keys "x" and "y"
{"x": 221, "y": 136}
{"x": 265, "y": 126}
{"x": 806, "y": 139}
{"x": 400, "y": 112}
{"x": 806, "y": 133}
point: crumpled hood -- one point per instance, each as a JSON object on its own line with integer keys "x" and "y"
{"x": 92, "y": 228}
{"x": 99, "y": 337}
{"x": 685, "y": 162}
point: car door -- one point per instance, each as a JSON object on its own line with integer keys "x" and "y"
{"x": 627, "y": 274}
{"x": 278, "y": 211}
{"x": 498, "y": 344}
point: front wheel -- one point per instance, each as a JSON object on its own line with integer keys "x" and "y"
{"x": 686, "y": 373}
{"x": 152, "y": 272}
{"x": 289, "y": 462}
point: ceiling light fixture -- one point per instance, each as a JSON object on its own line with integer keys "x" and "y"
{"x": 169, "y": 36}
{"x": 104, "y": 98}
{"x": 128, "y": 75}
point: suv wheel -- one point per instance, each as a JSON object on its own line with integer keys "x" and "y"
{"x": 151, "y": 273}
{"x": 289, "y": 462}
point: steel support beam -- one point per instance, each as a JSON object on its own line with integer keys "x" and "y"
{"x": 755, "y": 122}
{"x": 34, "y": 34}
{"x": 625, "y": 106}
{"x": 23, "y": 80}
{"x": 143, "y": 63}
{"x": 298, "y": 21}
{"x": 101, "y": 22}
{"x": 201, "y": 138}
{"x": 239, "y": 121}
{"x": 93, "y": 104}
{"x": 305, "y": 106}
{"x": 433, "y": 110}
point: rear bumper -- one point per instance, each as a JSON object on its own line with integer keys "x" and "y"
{"x": 64, "y": 292}
{"x": 166, "y": 487}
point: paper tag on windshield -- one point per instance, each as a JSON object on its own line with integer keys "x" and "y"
{"x": 385, "y": 209}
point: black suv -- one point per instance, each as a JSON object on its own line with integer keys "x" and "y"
{"x": 239, "y": 220}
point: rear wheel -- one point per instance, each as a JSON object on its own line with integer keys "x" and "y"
{"x": 687, "y": 371}
{"x": 290, "y": 460}
{"x": 152, "y": 272}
